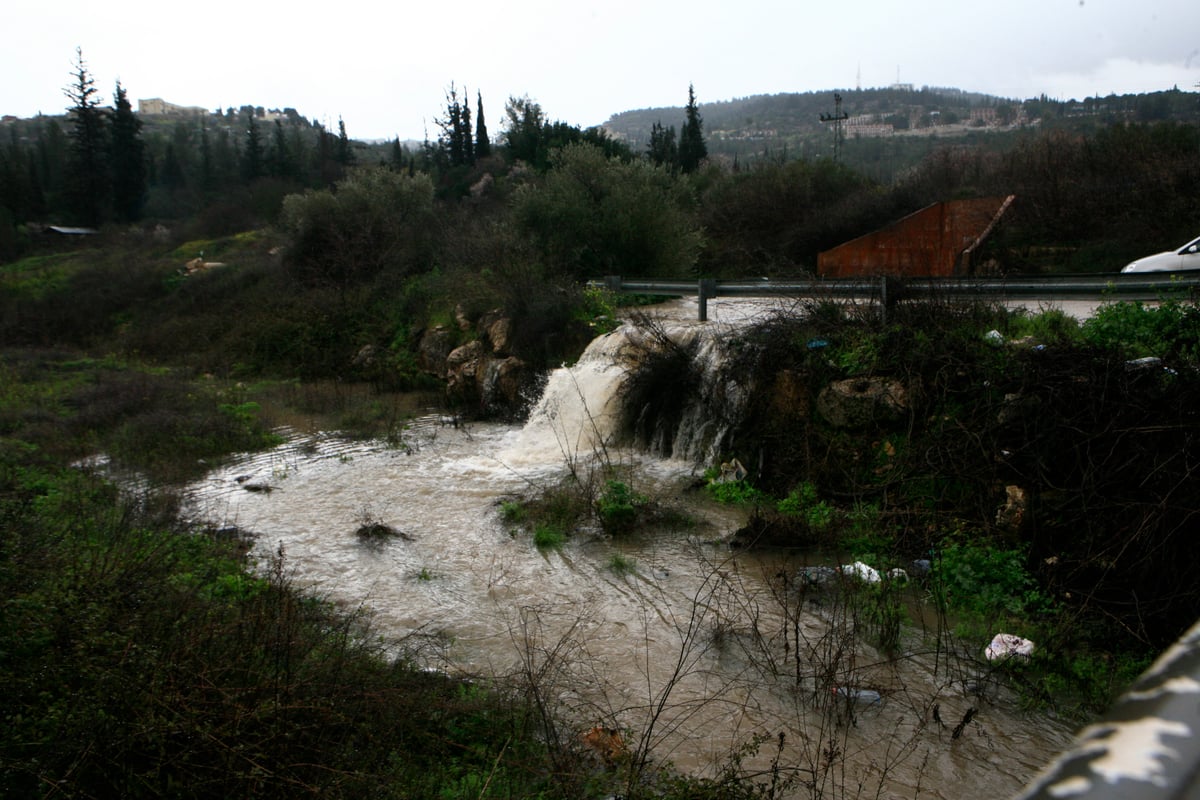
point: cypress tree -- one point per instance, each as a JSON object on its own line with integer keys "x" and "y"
{"x": 208, "y": 178}
{"x": 172, "y": 175}
{"x": 692, "y": 149}
{"x": 397, "y": 160}
{"x": 483, "y": 145}
{"x": 283, "y": 163}
{"x": 128, "y": 159}
{"x": 345, "y": 155}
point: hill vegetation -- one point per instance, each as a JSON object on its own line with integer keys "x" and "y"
{"x": 259, "y": 262}
{"x": 888, "y": 131}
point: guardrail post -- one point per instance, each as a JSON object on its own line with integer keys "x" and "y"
{"x": 708, "y": 288}
{"x": 887, "y": 296}
{"x": 613, "y": 283}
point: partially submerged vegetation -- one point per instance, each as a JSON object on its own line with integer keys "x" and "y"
{"x": 1042, "y": 470}
{"x": 1032, "y": 474}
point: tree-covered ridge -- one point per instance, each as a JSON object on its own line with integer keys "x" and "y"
{"x": 790, "y": 125}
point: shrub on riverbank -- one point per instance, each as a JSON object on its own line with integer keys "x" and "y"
{"x": 141, "y": 660}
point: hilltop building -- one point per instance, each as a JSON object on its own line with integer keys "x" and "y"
{"x": 157, "y": 107}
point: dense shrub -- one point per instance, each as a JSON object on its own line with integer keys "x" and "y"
{"x": 1100, "y": 449}
{"x": 592, "y": 215}
{"x": 374, "y": 220}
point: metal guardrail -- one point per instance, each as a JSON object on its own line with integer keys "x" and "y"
{"x": 888, "y": 289}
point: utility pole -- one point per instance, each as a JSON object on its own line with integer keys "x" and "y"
{"x": 836, "y": 118}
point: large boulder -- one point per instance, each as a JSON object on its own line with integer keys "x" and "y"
{"x": 433, "y": 350}
{"x": 481, "y": 380}
{"x": 858, "y": 402}
{"x": 463, "y": 370}
{"x": 498, "y": 330}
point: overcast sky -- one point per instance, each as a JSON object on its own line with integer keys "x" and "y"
{"x": 385, "y": 67}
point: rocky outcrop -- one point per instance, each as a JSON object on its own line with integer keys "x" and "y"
{"x": 482, "y": 375}
{"x": 1011, "y": 516}
{"x": 463, "y": 371}
{"x": 433, "y": 350}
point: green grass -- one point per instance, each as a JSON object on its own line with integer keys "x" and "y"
{"x": 512, "y": 511}
{"x": 622, "y": 564}
{"x": 548, "y": 537}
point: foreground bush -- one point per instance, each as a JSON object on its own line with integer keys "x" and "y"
{"x": 142, "y": 661}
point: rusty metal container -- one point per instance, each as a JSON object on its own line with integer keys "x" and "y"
{"x": 937, "y": 241}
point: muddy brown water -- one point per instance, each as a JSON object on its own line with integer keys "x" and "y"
{"x": 695, "y": 651}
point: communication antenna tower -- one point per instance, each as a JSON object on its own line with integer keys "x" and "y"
{"x": 837, "y": 117}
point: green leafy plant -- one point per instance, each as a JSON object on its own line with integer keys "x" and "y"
{"x": 512, "y": 511}
{"x": 548, "y": 537}
{"x": 618, "y": 507}
{"x": 735, "y": 493}
{"x": 1170, "y": 328}
{"x": 598, "y": 310}
{"x": 805, "y": 503}
{"x": 987, "y": 583}
{"x": 621, "y": 564}
{"x": 859, "y": 356}
{"x": 1049, "y": 326}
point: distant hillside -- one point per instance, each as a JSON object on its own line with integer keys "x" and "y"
{"x": 789, "y": 125}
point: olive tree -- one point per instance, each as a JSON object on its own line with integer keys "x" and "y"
{"x": 593, "y": 215}
{"x": 374, "y": 220}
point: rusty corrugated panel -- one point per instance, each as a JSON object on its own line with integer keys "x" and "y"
{"x": 934, "y": 242}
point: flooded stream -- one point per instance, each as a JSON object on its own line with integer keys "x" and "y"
{"x": 695, "y": 651}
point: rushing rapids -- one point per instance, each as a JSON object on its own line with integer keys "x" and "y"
{"x": 696, "y": 652}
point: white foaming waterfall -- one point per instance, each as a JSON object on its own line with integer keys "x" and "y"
{"x": 708, "y": 414}
{"x": 580, "y": 410}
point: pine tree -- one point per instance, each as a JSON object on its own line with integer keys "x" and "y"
{"x": 483, "y": 145}
{"x": 455, "y": 146}
{"x": 88, "y": 186}
{"x": 128, "y": 159}
{"x": 692, "y": 149}
{"x": 468, "y": 138}
{"x": 525, "y": 131}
